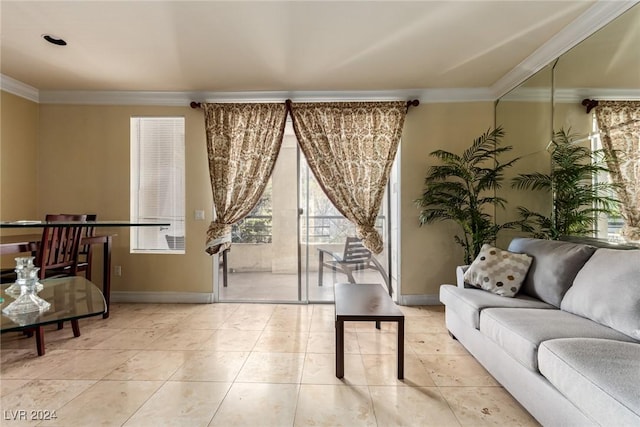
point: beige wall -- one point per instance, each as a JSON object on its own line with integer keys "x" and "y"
{"x": 429, "y": 254}
{"x": 572, "y": 117}
{"x": 18, "y": 158}
{"x": 83, "y": 166}
{"x": 18, "y": 163}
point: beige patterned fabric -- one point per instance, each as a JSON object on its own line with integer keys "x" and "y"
{"x": 350, "y": 147}
{"x": 243, "y": 142}
{"x": 497, "y": 271}
{"x": 619, "y": 123}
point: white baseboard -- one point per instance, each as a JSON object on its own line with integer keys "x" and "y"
{"x": 207, "y": 298}
{"x": 419, "y": 300}
{"x": 163, "y": 297}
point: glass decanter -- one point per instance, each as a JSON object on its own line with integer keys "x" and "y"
{"x": 28, "y": 301}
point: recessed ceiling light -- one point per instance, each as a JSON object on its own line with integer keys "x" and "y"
{"x": 54, "y": 40}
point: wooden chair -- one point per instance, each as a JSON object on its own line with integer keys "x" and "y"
{"x": 57, "y": 257}
{"x": 57, "y": 254}
{"x": 355, "y": 257}
{"x": 84, "y": 253}
{"x": 59, "y": 247}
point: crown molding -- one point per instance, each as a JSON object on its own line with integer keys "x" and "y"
{"x": 426, "y": 96}
{"x": 81, "y": 97}
{"x": 571, "y": 95}
{"x": 528, "y": 94}
{"x": 18, "y": 88}
{"x": 596, "y": 17}
{"x": 181, "y": 99}
{"x": 601, "y": 94}
{"x": 480, "y": 94}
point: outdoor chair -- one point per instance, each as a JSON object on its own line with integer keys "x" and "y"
{"x": 354, "y": 258}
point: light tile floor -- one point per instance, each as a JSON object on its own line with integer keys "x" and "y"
{"x": 247, "y": 365}
{"x": 265, "y": 286}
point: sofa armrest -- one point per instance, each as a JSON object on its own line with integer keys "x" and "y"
{"x": 460, "y": 275}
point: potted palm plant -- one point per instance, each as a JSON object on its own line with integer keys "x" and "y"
{"x": 462, "y": 189}
{"x": 578, "y": 197}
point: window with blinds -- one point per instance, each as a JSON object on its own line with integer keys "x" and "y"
{"x": 157, "y": 183}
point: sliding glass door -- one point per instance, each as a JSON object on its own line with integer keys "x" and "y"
{"x": 263, "y": 263}
{"x": 324, "y": 229}
{"x": 275, "y": 251}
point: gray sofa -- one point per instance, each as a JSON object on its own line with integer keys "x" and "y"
{"x": 567, "y": 347}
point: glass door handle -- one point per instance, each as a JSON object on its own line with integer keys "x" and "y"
{"x": 300, "y": 211}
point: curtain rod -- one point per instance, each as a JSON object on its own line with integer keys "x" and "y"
{"x": 411, "y": 103}
{"x": 590, "y": 104}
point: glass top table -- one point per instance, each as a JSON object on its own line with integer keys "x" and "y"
{"x": 71, "y": 298}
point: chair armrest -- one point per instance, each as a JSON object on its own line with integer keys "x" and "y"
{"x": 460, "y": 270}
{"x": 337, "y": 257}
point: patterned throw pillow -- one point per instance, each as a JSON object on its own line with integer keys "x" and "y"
{"x": 498, "y": 271}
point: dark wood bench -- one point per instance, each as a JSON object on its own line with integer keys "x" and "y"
{"x": 358, "y": 302}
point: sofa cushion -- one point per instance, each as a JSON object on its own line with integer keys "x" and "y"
{"x": 600, "y": 377}
{"x": 519, "y": 331}
{"x": 468, "y": 303}
{"x": 607, "y": 290}
{"x": 555, "y": 265}
{"x": 497, "y": 271}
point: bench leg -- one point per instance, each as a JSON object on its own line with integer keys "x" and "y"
{"x": 377, "y": 324}
{"x": 400, "y": 349}
{"x": 339, "y": 348}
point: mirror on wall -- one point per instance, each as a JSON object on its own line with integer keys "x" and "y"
{"x": 525, "y": 114}
{"x": 605, "y": 66}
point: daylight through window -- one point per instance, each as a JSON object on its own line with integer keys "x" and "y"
{"x": 157, "y": 184}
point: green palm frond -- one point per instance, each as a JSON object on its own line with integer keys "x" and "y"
{"x": 447, "y": 157}
{"x": 461, "y": 188}
{"x": 532, "y": 181}
{"x": 577, "y": 200}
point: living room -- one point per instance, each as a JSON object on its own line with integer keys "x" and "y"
{"x": 66, "y": 142}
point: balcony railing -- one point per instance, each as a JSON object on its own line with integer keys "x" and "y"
{"x": 320, "y": 229}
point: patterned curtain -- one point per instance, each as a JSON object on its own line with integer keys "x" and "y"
{"x": 350, "y": 148}
{"x": 619, "y": 123}
{"x": 243, "y": 142}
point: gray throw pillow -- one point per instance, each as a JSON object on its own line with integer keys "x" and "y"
{"x": 555, "y": 265}
{"x": 607, "y": 291}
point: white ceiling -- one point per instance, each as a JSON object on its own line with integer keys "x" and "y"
{"x": 236, "y": 46}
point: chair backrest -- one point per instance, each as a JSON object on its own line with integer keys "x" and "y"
{"x": 355, "y": 252}
{"x": 88, "y": 231}
{"x": 59, "y": 245}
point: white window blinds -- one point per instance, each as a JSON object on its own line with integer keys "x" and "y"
{"x": 157, "y": 183}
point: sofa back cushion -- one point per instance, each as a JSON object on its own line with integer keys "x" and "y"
{"x": 607, "y": 291}
{"x": 555, "y": 265}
